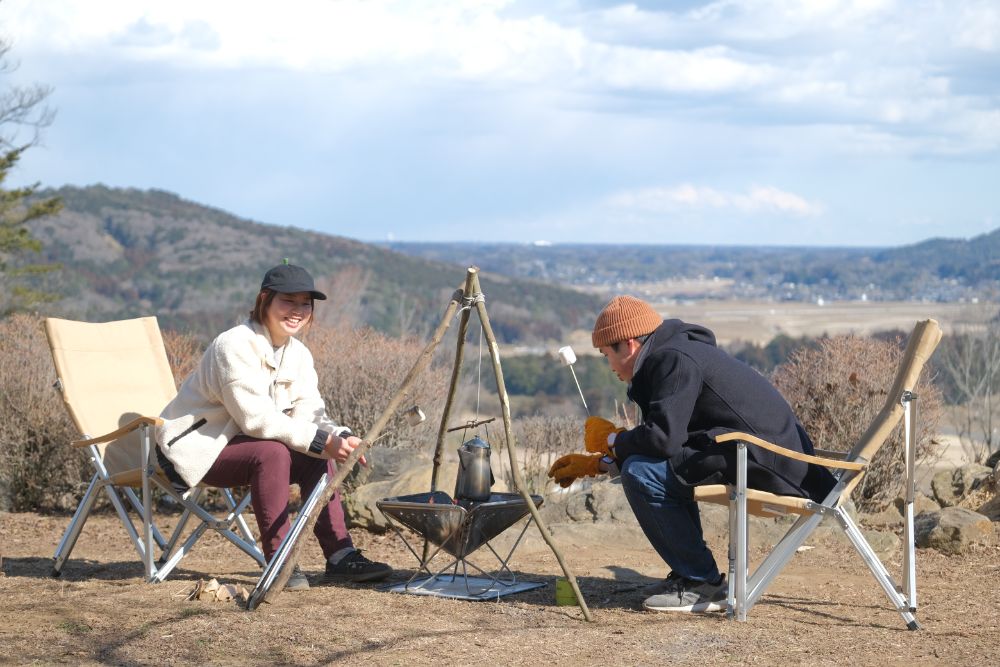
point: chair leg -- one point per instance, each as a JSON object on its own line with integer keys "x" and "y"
{"x": 909, "y": 588}
{"x": 174, "y": 552}
{"x": 133, "y": 534}
{"x": 178, "y": 553}
{"x": 175, "y": 536}
{"x": 742, "y": 538}
{"x": 136, "y": 504}
{"x": 147, "y": 503}
{"x": 237, "y": 509}
{"x": 76, "y": 524}
{"x": 731, "y": 594}
{"x": 878, "y": 570}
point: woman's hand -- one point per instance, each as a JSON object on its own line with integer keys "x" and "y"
{"x": 339, "y": 449}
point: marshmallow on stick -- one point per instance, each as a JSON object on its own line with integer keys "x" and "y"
{"x": 568, "y": 358}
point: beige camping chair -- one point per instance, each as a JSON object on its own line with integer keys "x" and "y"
{"x": 115, "y": 378}
{"x": 744, "y": 590}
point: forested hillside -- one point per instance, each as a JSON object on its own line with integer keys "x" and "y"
{"x": 935, "y": 270}
{"x": 128, "y": 252}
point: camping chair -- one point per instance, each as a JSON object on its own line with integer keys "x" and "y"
{"x": 114, "y": 378}
{"x": 744, "y": 591}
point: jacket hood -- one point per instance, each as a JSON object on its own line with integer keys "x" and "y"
{"x": 675, "y": 328}
{"x": 671, "y": 333}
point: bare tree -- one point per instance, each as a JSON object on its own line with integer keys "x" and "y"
{"x": 344, "y": 291}
{"x": 22, "y": 111}
{"x": 22, "y": 108}
{"x": 971, "y": 364}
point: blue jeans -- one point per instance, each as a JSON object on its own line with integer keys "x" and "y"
{"x": 668, "y": 516}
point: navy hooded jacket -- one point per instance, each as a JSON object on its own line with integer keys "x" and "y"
{"x": 690, "y": 391}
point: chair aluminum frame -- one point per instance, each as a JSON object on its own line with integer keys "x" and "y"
{"x": 746, "y": 589}
{"x": 147, "y": 533}
{"x": 146, "y": 538}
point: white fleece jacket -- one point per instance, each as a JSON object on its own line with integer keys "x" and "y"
{"x": 239, "y": 388}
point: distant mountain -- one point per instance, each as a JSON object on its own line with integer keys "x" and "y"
{"x": 936, "y": 270}
{"x": 128, "y": 252}
{"x": 972, "y": 262}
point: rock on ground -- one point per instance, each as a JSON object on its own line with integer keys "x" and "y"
{"x": 952, "y": 530}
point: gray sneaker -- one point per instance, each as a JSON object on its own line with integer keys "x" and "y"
{"x": 297, "y": 581}
{"x": 689, "y": 596}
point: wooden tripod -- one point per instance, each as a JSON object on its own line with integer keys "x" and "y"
{"x": 468, "y": 297}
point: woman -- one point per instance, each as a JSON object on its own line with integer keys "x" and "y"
{"x": 251, "y": 414}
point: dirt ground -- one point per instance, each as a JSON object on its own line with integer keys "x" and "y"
{"x": 824, "y": 609}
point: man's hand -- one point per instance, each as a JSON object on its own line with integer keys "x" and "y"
{"x": 567, "y": 469}
{"x": 595, "y": 435}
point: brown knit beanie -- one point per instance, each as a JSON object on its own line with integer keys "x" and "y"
{"x": 624, "y": 317}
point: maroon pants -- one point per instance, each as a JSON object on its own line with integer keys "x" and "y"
{"x": 268, "y": 467}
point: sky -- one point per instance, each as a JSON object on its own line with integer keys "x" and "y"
{"x": 736, "y": 122}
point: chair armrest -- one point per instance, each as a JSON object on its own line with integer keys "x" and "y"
{"x": 114, "y": 435}
{"x": 784, "y": 451}
{"x": 830, "y": 454}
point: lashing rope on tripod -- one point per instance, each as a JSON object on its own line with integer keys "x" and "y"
{"x": 469, "y": 301}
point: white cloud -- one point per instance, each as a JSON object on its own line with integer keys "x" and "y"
{"x": 757, "y": 199}
{"x": 978, "y": 26}
{"x": 528, "y": 106}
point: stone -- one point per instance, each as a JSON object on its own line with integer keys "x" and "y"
{"x": 884, "y": 542}
{"x": 888, "y": 517}
{"x": 952, "y": 530}
{"x": 944, "y": 491}
{"x": 991, "y": 508}
{"x": 577, "y": 506}
{"x": 993, "y": 460}
{"x": 360, "y": 504}
{"x": 968, "y": 478}
{"x": 387, "y": 463}
{"x": 608, "y": 502}
{"x": 921, "y": 503}
{"x": 360, "y": 508}
{"x": 950, "y": 486}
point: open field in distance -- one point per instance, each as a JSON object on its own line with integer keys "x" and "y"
{"x": 760, "y": 321}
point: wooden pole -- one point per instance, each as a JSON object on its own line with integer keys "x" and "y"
{"x": 512, "y": 454}
{"x": 376, "y": 429}
{"x": 463, "y": 327}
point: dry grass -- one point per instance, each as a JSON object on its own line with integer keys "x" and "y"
{"x": 837, "y": 389}
{"x": 824, "y": 610}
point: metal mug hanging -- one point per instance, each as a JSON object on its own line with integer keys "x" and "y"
{"x": 475, "y": 476}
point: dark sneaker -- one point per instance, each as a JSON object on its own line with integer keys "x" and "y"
{"x": 354, "y": 567}
{"x": 689, "y": 596}
{"x": 297, "y": 581}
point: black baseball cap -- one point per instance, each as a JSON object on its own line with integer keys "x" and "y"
{"x": 289, "y": 279}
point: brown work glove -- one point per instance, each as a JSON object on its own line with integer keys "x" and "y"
{"x": 595, "y": 435}
{"x": 567, "y": 469}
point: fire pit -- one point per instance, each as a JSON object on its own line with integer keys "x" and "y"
{"x": 458, "y": 528}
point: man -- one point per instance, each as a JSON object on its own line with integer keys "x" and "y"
{"x": 689, "y": 391}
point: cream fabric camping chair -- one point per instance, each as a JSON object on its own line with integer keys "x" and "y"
{"x": 115, "y": 378}
{"x": 744, "y": 590}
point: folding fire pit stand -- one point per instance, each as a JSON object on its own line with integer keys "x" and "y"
{"x": 276, "y": 574}
{"x": 459, "y": 531}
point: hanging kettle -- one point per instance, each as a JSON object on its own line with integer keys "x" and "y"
{"x": 474, "y": 474}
